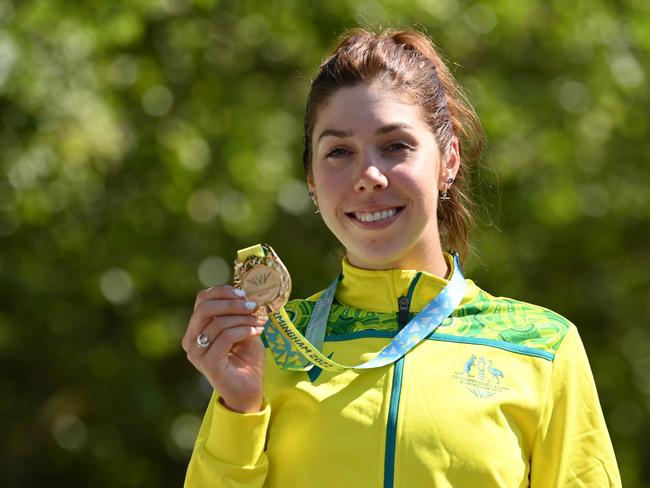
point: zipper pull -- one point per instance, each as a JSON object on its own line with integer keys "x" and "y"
{"x": 403, "y": 304}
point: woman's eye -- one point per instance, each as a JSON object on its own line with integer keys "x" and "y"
{"x": 398, "y": 146}
{"x": 337, "y": 152}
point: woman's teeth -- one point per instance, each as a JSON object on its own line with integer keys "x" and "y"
{"x": 375, "y": 216}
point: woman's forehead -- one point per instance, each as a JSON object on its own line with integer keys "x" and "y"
{"x": 364, "y": 106}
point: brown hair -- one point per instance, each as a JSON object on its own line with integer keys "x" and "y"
{"x": 408, "y": 62}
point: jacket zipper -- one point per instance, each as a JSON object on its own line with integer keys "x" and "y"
{"x": 403, "y": 317}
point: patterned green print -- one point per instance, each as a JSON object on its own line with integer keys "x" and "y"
{"x": 509, "y": 320}
{"x": 485, "y": 317}
{"x": 342, "y": 320}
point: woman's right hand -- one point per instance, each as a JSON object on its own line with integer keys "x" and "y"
{"x": 234, "y": 360}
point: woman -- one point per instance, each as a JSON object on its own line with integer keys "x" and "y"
{"x": 501, "y": 395}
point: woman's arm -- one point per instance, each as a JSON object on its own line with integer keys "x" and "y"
{"x": 222, "y": 341}
{"x": 572, "y": 447}
{"x": 229, "y": 450}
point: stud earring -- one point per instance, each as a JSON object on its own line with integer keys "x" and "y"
{"x": 313, "y": 199}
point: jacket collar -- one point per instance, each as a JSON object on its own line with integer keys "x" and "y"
{"x": 379, "y": 290}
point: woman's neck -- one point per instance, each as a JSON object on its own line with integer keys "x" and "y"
{"x": 431, "y": 261}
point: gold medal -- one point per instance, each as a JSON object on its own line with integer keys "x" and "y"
{"x": 264, "y": 278}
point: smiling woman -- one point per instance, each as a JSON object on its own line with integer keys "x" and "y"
{"x": 408, "y": 70}
{"x": 453, "y": 386}
{"x": 377, "y": 181}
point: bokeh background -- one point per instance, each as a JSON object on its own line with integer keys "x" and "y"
{"x": 142, "y": 142}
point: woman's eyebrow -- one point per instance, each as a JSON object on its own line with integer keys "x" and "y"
{"x": 347, "y": 133}
{"x": 335, "y": 133}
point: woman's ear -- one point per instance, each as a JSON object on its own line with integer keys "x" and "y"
{"x": 312, "y": 191}
{"x": 310, "y": 183}
{"x": 450, "y": 165}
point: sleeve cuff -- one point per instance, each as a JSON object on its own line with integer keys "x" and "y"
{"x": 237, "y": 438}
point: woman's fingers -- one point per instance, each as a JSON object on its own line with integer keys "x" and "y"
{"x": 229, "y": 337}
{"x": 213, "y": 329}
{"x": 211, "y": 308}
{"x": 216, "y": 292}
{"x": 232, "y": 364}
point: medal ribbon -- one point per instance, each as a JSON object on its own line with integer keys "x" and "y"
{"x": 294, "y": 352}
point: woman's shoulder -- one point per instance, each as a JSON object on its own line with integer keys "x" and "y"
{"x": 487, "y": 304}
{"x": 509, "y": 322}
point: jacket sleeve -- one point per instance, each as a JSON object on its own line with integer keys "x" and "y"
{"x": 229, "y": 449}
{"x": 572, "y": 447}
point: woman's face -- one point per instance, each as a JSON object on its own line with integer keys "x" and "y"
{"x": 376, "y": 171}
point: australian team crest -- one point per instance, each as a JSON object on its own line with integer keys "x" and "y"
{"x": 481, "y": 377}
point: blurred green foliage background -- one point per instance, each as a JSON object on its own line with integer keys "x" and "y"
{"x": 142, "y": 142}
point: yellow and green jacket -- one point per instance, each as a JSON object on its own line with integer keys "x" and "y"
{"x": 500, "y": 395}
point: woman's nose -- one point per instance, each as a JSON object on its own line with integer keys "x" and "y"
{"x": 370, "y": 177}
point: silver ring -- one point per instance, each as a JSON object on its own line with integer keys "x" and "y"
{"x": 202, "y": 340}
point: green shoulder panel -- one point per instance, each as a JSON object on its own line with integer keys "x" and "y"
{"x": 508, "y": 320}
{"x": 485, "y": 319}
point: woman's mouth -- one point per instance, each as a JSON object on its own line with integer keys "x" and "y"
{"x": 379, "y": 216}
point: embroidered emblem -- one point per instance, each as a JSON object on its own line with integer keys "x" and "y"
{"x": 481, "y": 377}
